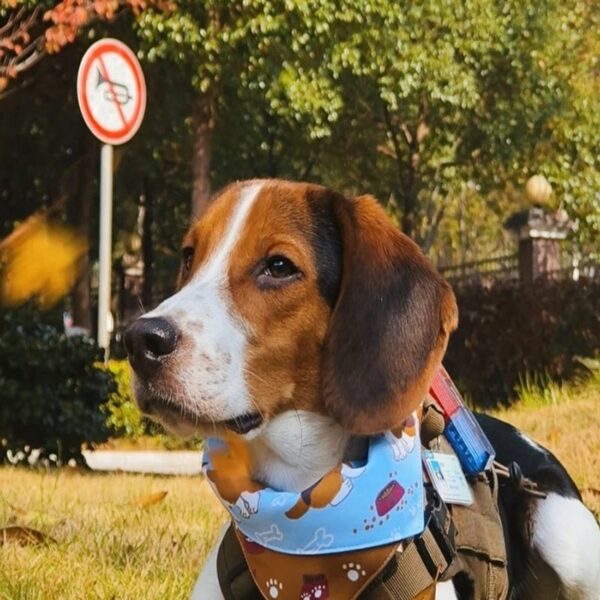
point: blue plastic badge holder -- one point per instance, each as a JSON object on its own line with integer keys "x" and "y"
{"x": 474, "y": 450}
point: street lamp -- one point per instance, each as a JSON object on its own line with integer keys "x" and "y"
{"x": 538, "y": 190}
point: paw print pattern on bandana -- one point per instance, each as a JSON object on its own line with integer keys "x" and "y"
{"x": 274, "y": 587}
{"x": 315, "y": 587}
{"x": 319, "y": 592}
{"x": 354, "y": 571}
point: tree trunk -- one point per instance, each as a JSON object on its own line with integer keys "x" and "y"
{"x": 410, "y": 190}
{"x": 203, "y": 121}
{"x": 147, "y": 244}
{"x": 82, "y": 211}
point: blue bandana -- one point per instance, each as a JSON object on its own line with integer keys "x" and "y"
{"x": 352, "y": 507}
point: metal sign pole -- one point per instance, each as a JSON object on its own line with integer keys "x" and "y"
{"x": 111, "y": 92}
{"x": 104, "y": 270}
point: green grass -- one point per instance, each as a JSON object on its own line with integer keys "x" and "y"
{"x": 108, "y": 547}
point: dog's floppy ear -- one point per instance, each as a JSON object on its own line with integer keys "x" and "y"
{"x": 390, "y": 325}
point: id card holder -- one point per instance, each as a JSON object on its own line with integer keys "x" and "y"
{"x": 447, "y": 477}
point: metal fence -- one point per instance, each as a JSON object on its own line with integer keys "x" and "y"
{"x": 505, "y": 269}
{"x": 483, "y": 272}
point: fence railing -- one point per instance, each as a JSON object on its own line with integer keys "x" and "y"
{"x": 504, "y": 268}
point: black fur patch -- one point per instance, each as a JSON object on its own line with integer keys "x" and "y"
{"x": 326, "y": 240}
{"x": 392, "y": 317}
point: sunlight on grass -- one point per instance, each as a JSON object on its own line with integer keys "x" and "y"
{"x": 108, "y": 546}
{"x": 566, "y": 420}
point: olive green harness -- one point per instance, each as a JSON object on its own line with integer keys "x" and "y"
{"x": 466, "y": 540}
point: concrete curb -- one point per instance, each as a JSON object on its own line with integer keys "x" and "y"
{"x": 146, "y": 461}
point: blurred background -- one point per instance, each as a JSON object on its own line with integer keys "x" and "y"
{"x": 475, "y": 123}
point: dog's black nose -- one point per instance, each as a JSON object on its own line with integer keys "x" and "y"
{"x": 147, "y": 341}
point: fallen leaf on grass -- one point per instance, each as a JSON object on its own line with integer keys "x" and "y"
{"x": 149, "y": 499}
{"x": 553, "y": 436}
{"x": 25, "y": 536}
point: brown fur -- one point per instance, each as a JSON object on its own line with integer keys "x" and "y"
{"x": 287, "y": 325}
{"x": 390, "y": 327}
{"x": 369, "y": 359}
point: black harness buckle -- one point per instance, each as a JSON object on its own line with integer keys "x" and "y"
{"x": 441, "y": 526}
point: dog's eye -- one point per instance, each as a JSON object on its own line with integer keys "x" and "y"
{"x": 276, "y": 271}
{"x": 187, "y": 256}
{"x": 280, "y": 266}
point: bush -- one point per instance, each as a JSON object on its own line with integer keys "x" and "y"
{"x": 127, "y": 422}
{"x": 51, "y": 388}
{"x": 124, "y": 416}
{"x": 509, "y": 333}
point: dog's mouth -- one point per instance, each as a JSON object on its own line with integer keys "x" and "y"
{"x": 243, "y": 423}
{"x": 156, "y": 406}
{"x": 174, "y": 413}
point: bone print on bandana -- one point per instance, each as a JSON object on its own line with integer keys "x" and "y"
{"x": 352, "y": 507}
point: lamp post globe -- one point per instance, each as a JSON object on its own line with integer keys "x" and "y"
{"x": 538, "y": 190}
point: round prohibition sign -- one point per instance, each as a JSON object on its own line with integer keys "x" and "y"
{"x": 111, "y": 91}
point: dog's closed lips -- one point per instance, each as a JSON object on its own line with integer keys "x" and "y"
{"x": 244, "y": 423}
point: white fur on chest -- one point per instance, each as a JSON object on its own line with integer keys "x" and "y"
{"x": 296, "y": 449}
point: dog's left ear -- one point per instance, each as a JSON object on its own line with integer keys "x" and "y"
{"x": 390, "y": 325}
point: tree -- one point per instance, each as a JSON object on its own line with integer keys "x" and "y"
{"x": 470, "y": 91}
{"x": 30, "y": 29}
{"x": 270, "y": 52}
{"x": 442, "y": 111}
{"x": 425, "y": 97}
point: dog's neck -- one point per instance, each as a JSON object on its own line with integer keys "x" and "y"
{"x": 295, "y": 449}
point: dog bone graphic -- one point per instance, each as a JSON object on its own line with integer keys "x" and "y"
{"x": 271, "y": 535}
{"x": 321, "y": 539}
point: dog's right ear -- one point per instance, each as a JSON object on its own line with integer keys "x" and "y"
{"x": 389, "y": 326}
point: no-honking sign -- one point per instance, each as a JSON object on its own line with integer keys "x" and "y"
{"x": 111, "y": 91}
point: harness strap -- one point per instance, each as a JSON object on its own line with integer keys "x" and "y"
{"x": 423, "y": 561}
{"x": 234, "y": 576}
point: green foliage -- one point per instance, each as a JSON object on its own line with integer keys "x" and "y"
{"x": 50, "y": 387}
{"x": 124, "y": 416}
{"x": 442, "y": 110}
{"x": 506, "y": 334}
{"x": 126, "y": 421}
{"x": 406, "y": 100}
{"x": 534, "y": 390}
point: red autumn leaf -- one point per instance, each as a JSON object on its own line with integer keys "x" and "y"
{"x": 81, "y": 16}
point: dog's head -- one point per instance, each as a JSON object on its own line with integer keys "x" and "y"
{"x": 292, "y": 297}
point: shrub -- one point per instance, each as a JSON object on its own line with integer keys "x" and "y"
{"x": 123, "y": 416}
{"x": 51, "y": 388}
{"x": 127, "y": 422}
{"x": 507, "y": 334}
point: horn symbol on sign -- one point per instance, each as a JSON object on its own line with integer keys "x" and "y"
{"x": 119, "y": 90}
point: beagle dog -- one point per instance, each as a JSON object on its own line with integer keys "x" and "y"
{"x": 304, "y": 320}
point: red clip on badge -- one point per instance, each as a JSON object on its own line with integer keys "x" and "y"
{"x": 474, "y": 450}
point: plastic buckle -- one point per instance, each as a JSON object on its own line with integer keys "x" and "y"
{"x": 437, "y": 517}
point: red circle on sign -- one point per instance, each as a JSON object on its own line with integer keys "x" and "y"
{"x": 96, "y": 55}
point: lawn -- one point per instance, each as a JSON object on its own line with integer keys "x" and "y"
{"x": 112, "y": 539}
{"x": 107, "y": 545}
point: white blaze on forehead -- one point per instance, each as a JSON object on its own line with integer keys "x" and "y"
{"x": 218, "y": 262}
{"x": 211, "y": 366}
{"x": 216, "y": 267}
